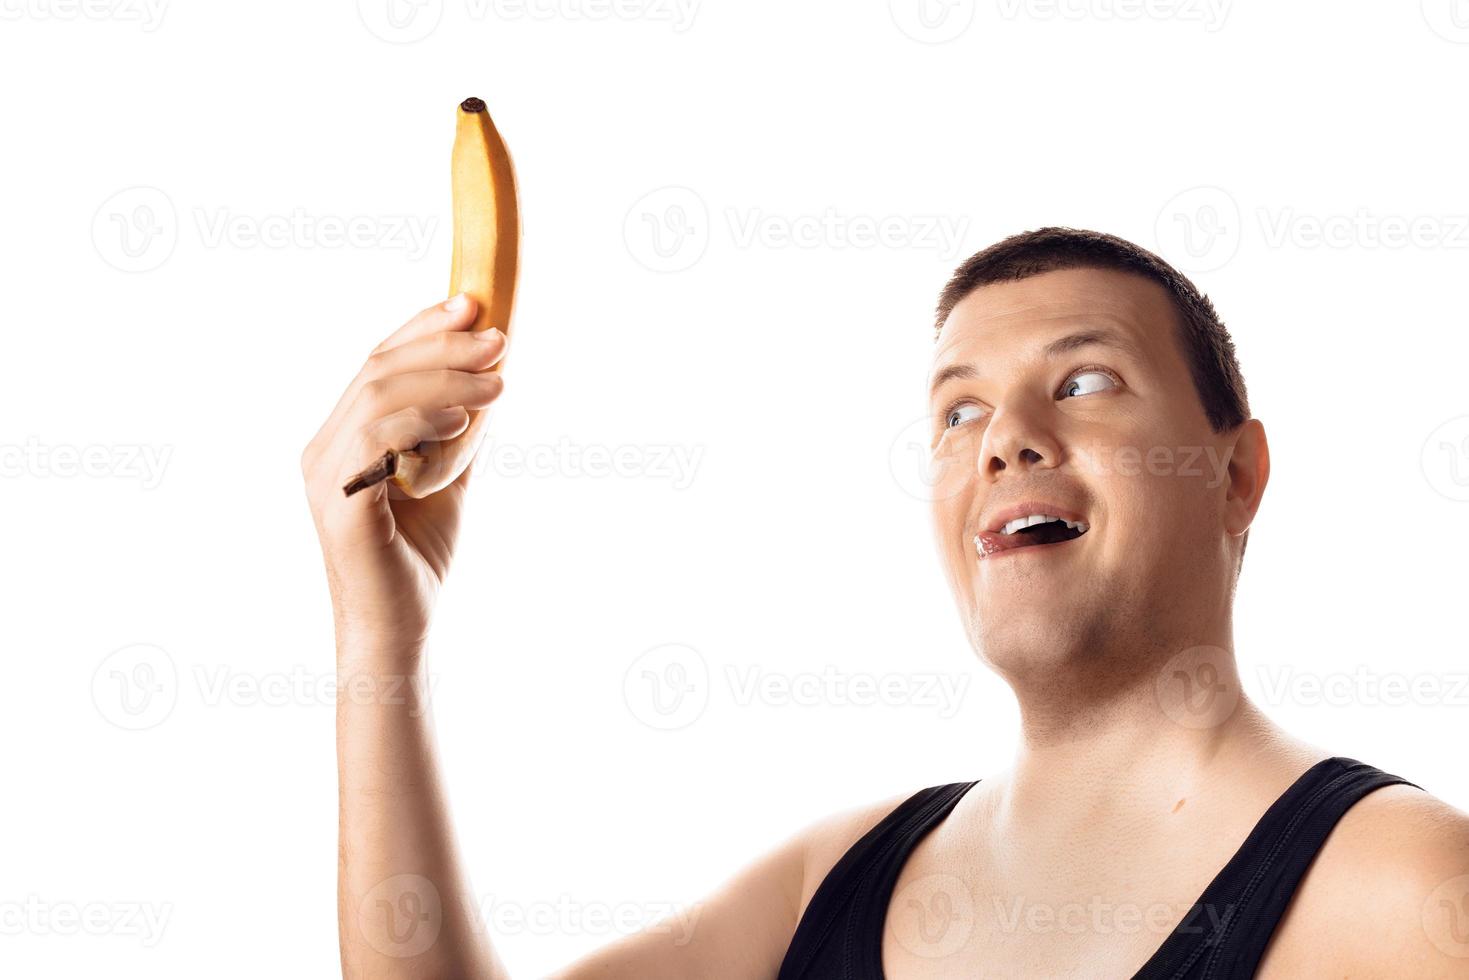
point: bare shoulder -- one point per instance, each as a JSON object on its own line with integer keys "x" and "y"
{"x": 1388, "y": 894}
{"x": 826, "y": 840}
{"x": 745, "y": 925}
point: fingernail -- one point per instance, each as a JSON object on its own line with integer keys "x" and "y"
{"x": 457, "y": 303}
{"x": 491, "y": 336}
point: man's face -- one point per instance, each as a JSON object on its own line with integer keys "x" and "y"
{"x": 1108, "y": 431}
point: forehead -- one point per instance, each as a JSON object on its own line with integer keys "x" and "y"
{"x": 999, "y": 323}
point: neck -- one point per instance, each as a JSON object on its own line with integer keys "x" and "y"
{"x": 1113, "y": 740}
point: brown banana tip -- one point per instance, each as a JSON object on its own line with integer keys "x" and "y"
{"x": 472, "y": 104}
{"x": 383, "y": 468}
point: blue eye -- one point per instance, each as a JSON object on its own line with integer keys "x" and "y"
{"x": 1074, "y": 383}
{"x": 956, "y": 415}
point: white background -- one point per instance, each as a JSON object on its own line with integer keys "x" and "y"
{"x": 173, "y": 292}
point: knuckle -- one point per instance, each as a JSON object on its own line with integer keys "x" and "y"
{"x": 373, "y": 392}
{"x": 376, "y": 364}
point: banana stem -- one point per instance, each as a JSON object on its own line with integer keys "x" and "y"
{"x": 382, "y": 469}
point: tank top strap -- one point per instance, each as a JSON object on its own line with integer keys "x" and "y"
{"x": 850, "y": 905}
{"x": 1226, "y": 931}
{"x": 1223, "y": 935}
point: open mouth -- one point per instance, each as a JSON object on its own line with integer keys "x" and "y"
{"x": 1029, "y": 531}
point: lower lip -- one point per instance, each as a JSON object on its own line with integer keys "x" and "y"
{"x": 997, "y": 546}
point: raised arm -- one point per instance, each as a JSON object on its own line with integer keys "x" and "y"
{"x": 405, "y": 908}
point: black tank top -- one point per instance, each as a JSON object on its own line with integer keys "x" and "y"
{"x": 1223, "y": 935}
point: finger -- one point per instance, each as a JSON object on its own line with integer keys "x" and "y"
{"x": 409, "y": 429}
{"x": 447, "y": 350}
{"x": 455, "y": 313}
{"x": 423, "y": 390}
{"x": 403, "y": 431}
{"x": 444, "y": 351}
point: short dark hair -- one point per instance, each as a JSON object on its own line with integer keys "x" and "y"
{"x": 1206, "y": 344}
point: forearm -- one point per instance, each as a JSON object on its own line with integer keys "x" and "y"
{"x": 404, "y": 907}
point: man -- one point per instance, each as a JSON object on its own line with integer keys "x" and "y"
{"x": 1096, "y": 471}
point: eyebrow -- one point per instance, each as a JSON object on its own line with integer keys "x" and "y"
{"x": 1061, "y": 345}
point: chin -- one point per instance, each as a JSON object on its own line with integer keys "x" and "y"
{"x": 1039, "y": 639}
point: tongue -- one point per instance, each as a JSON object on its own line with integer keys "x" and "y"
{"x": 992, "y": 542}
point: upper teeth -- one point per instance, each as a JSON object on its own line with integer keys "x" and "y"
{"x": 1024, "y": 522}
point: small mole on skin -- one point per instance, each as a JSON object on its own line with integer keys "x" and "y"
{"x": 1177, "y": 805}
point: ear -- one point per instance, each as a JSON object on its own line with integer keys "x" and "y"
{"x": 1246, "y": 475}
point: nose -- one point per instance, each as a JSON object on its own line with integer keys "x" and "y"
{"x": 1017, "y": 439}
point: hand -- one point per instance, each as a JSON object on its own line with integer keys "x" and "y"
{"x": 387, "y": 554}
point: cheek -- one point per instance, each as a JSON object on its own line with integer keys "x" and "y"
{"x": 952, "y": 468}
{"x": 950, "y": 472}
{"x": 949, "y": 516}
{"x": 952, "y": 485}
{"x": 1154, "y": 490}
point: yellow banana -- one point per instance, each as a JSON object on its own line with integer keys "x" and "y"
{"x": 486, "y": 261}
